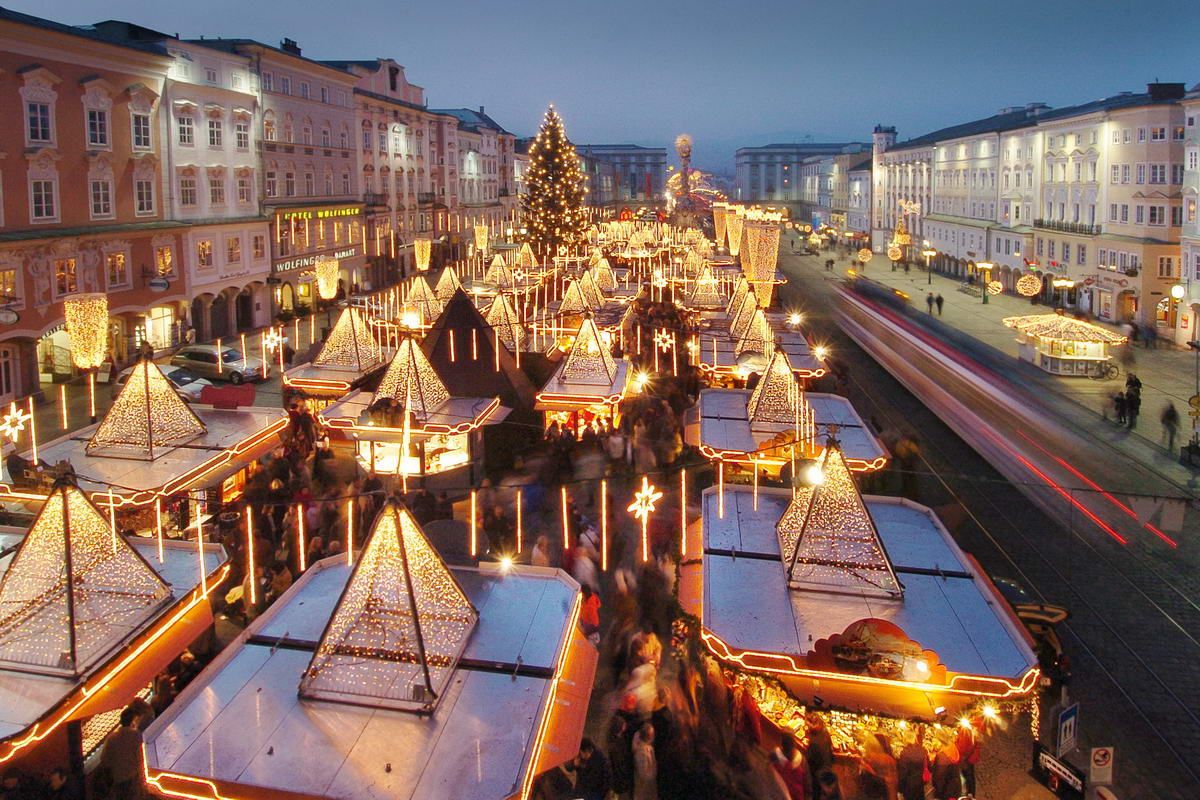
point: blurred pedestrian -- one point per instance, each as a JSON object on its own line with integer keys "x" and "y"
{"x": 947, "y": 773}
{"x": 929, "y": 303}
{"x": 593, "y": 779}
{"x": 939, "y": 300}
{"x": 819, "y": 751}
{"x": 645, "y": 766}
{"x": 788, "y": 762}
{"x": 968, "y": 743}
{"x": 1119, "y": 407}
{"x": 913, "y": 767}
{"x": 1170, "y": 425}
{"x": 1133, "y": 406}
{"x": 122, "y": 757}
{"x": 877, "y": 768}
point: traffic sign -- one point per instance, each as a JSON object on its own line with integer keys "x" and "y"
{"x": 1100, "y": 766}
{"x": 158, "y": 284}
{"x": 1068, "y": 729}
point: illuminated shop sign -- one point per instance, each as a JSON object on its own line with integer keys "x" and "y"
{"x": 300, "y": 262}
{"x": 320, "y": 213}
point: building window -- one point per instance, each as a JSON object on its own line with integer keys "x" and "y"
{"x": 39, "y": 129}
{"x": 272, "y": 187}
{"x": 215, "y": 133}
{"x": 1081, "y": 254}
{"x": 143, "y": 192}
{"x": 304, "y": 90}
{"x": 204, "y": 253}
{"x": 116, "y": 270}
{"x": 216, "y": 190}
{"x": 1158, "y": 215}
{"x": 235, "y": 80}
{"x": 187, "y": 191}
{"x": 1141, "y": 135}
{"x": 241, "y": 134}
{"x": 1125, "y": 172}
{"x": 97, "y": 127}
{"x": 8, "y": 286}
{"x": 345, "y": 183}
{"x": 268, "y": 82}
{"x": 1139, "y": 214}
{"x": 310, "y": 184}
{"x": 325, "y": 142}
{"x": 141, "y": 131}
{"x": 65, "y": 280}
{"x": 289, "y": 184}
{"x": 306, "y": 134}
{"x": 1141, "y": 173}
{"x": 324, "y": 94}
{"x": 243, "y": 189}
{"x": 42, "y": 200}
{"x": 259, "y": 244}
{"x": 164, "y": 260}
{"x": 285, "y": 85}
{"x": 328, "y": 183}
{"x": 1158, "y": 134}
{"x": 1158, "y": 173}
{"x": 210, "y": 75}
{"x": 101, "y": 192}
{"x": 187, "y": 131}
{"x": 233, "y": 250}
{"x": 1166, "y": 267}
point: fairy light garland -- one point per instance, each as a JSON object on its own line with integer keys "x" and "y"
{"x": 399, "y": 628}
{"x": 327, "y": 269}
{"x": 588, "y": 361}
{"x": 447, "y": 284}
{"x": 86, "y": 318}
{"x": 423, "y": 299}
{"x": 778, "y": 398}
{"x": 502, "y": 318}
{"x": 422, "y": 250}
{"x": 147, "y": 417}
{"x": 350, "y": 345}
{"x": 411, "y": 379}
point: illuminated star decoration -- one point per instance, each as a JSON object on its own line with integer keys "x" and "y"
{"x": 659, "y": 279}
{"x": 642, "y": 507}
{"x": 272, "y": 340}
{"x": 14, "y": 422}
{"x": 663, "y": 339}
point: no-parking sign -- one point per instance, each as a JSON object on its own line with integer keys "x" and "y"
{"x": 1100, "y": 765}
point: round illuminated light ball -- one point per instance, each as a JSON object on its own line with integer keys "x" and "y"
{"x": 995, "y": 287}
{"x": 894, "y": 252}
{"x": 864, "y": 255}
{"x": 1029, "y": 285}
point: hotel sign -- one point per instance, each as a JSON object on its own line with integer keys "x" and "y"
{"x": 320, "y": 213}
{"x": 310, "y": 259}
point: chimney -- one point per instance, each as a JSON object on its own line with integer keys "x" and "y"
{"x": 481, "y": 111}
{"x": 1166, "y": 91}
{"x": 290, "y": 46}
{"x": 1034, "y": 109}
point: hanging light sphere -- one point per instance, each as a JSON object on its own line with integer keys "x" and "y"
{"x": 87, "y": 328}
{"x": 327, "y": 277}
{"x": 864, "y": 255}
{"x": 1029, "y": 285}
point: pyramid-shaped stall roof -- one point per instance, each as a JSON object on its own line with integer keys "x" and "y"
{"x": 412, "y": 381}
{"x": 828, "y": 540}
{"x": 502, "y": 318}
{"x": 603, "y": 274}
{"x": 739, "y": 294}
{"x": 74, "y": 591}
{"x": 758, "y": 336}
{"x": 147, "y": 418}
{"x": 575, "y": 300}
{"x": 498, "y": 274}
{"x": 778, "y": 397}
{"x": 447, "y": 284}
{"x": 589, "y": 360}
{"x": 743, "y": 314}
{"x": 525, "y": 258}
{"x": 396, "y": 635}
{"x": 351, "y": 344}
{"x": 470, "y": 371}
{"x": 591, "y": 289}
{"x": 704, "y": 293}
{"x": 423, "y": 299}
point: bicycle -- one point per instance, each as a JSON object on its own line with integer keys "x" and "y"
{"x": 1104, "y": 371}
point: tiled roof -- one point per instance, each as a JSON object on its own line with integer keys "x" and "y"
{"x": 470, "y": 118}
{"x": 82, "y": 31}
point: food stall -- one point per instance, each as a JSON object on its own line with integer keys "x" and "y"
{"x": 1062, "y": 345}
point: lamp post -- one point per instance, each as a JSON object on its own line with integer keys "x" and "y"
{"x": 929, "y": 253}
{"x": 985, "y": 268}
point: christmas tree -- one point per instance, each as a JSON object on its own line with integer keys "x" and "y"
{"x": 553, "y": 205}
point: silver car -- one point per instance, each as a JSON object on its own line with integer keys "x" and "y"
{"x": 202, "y": 359}
{"x": 186, "y": 384}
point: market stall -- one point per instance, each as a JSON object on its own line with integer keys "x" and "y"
{"x": 350, "y": 357}
{"x": 1063, "y": 345}
{"x": 587, "y": 384}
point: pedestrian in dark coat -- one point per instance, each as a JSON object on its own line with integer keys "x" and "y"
{"x": 1170, "y": 424}
{"x": 939, "y": 300}
{"x": 1133, "y": 406}
{"x": 1119, "y": 406}
{"x": 912, "y": 766}
{"x": 947, "y": 774}
{"x": 593, "y": 779}
{"x": 929, "y": 301}
{"x": 819, "y": 751}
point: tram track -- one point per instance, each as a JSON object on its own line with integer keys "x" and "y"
{"x": 1133, "y": 661}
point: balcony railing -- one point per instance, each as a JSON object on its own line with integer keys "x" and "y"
{"x": 1067, "y": 227}
{"x": 375, "y": 199}
{"x": 424, "y": 197}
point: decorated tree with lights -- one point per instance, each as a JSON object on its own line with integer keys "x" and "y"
{"x": 553, "y": 205}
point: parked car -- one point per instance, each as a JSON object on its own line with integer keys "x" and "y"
{"x": 187, "y": 384}
{"x": 202, "y": 359}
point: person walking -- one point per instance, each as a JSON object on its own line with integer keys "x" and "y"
{"x": 939, "y": 300}
{"x": 1170, "y": 425}
{"x": 1119, "y": 406}
{"x": 929, "y": 303}
{"x": 913, "y": 767}
{"x": 969, "y": 743}
{"x": 1133, "y": 406}
{"x": 645, "y": 767}
{"x": 947, "y": 773}
{"x": 788, "y": 762}
{"x": 122, "y": 757}
{"x": 819, "y": 752}
{"x": 593, "y": 778}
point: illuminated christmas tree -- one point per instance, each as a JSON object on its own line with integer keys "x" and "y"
{"x": 553, "y": 206}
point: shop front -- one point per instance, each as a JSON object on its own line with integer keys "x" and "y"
{"x": 301, "y": 235}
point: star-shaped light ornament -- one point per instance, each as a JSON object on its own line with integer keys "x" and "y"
{"x": 642, "y": 507}
{"x": 663, "y": 339}
{"x": 659, "y": 280}
{"x": 13, "y": 422}
{"x": 272, "y": 340}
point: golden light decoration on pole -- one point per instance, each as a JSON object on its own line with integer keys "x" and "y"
{"x": 995, "y": 287}
{"x": 481, "y": 238}
{"x": 894, "y": 252}
{"x": 864, "y": 255}
{"x": 734, "y": 223}
{"x": 327, "y": 277}
{"x": 422, "y": 250}
{"x": 1029, "y": 285}
{"x": 87, "y": 328}
{"x": 641, "y": 508}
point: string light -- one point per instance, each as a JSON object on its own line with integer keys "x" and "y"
{"x": 1062, "y": 328}
{"x": 828, "y": 539}
{"x": 14, "y": 422}
{"x": 86, "y": 318}
{"x": 423, "y": 299}
{"x": 301, "y": 544}
{"x": 327, "y": 269}
{"x": 398, "y": 630}
{"x": 351, "y": 345}
{"x": 411, "y": 378}
{"x": 502, "y": 318}
{"x": 447, "y": 284}
{"x": 251, "y": 577}
{"x": 147, "y": 417}
{"x": 604, "y": 524}
{"x": 422, "y": 250}
{"x": 588, "y": 361}
{"x": 72, "y": 593}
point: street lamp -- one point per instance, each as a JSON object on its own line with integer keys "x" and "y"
{"x": 327, "y": 270}
{"x": 929, "y": 253}
{"x": 985, "y": 267}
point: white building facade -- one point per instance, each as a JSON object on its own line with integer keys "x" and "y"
{"x": 1190, "y": 234}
